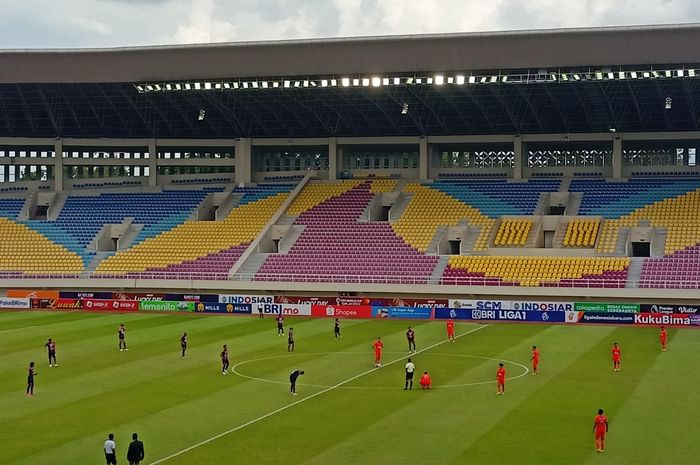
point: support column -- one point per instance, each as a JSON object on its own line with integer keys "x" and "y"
{"x": 152, "y": 163}
{"x": 517, "y": 157}
{"x": 244, "y": 160}
{"x": 423, "y": 158}
{"x": 58, "y": 165}
{"x": 332, "y": 158}
{"x": 617, "y": 156}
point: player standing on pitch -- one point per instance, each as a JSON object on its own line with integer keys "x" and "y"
{"x": 336, "y": 329}
{"x": 51, "y": 348}
{"x": 663, "y": 337}
{"x": 183, "y": 344}
{"x": 600, "y": 427}
{"x": 280, "y": 324}
{"x": 290, "y": 340}
{"x": 31, "y": 373}
{"x": 451, "y": 330}
{"x": 293, "y": 380}
{"x": 378, "y": 345}
{"x": 122, "y": 338}
{"x": 535, "y": 360}
{"x": 224, "y": 360}
{"x": 410, "y": 368}
{"x": 411, "y": 338}
{"x": 500, "y": 380}
{"x": 616, "y": 356}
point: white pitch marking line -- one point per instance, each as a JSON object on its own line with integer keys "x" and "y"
{"x": 476, "y": 383}
{"x": 282, "y": 409}
{"x": 17, "y": 329}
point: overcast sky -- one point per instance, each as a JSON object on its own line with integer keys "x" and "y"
{"x": 114, "y": 23}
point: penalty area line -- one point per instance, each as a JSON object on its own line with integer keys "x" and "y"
{"x": 288, "y": 406}
{"x": 17, "y": 329}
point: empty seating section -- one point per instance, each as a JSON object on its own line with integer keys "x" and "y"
{"x": 495, "y": 198}
{"x": 314, "y": 194}
{"x": 25, "y": 251}
{"x": 383, "y": 185}
{"x": 201, "y": 247}
{"x": 512, "y": 233}
{"x": 10, "y": 208}
{"x": 335, "y": 247}
{"x": 680, "y": 270}
{"x": 537, "y": 271}
{"x": 431, "y": 208}
{"x": 581, "y": 233}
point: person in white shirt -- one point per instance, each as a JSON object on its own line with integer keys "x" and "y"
{"x": 110, "y": 450}
{"x": 410, "y": 368}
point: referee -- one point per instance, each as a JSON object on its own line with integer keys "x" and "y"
{"x": 410, "y": 368}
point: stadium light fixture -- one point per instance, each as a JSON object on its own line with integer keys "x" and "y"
{"x": 227, "y": 85}
{"x": 404, "y": 109}
{"x": 429, "y": 81}
{"x": 306, "y": 83}
{"x": 691, "y": 73}
{"x": 439, "y": 80}
{"x": 633, "y": 75}
{"x": 254, "y": 84}
{"x": 217, "y": 85}
{"x": 485, "y": 79}
{"x": 679, "y": 73}
{"x": 668, "y": 73}
{"x": 297, "y": 84}
{"x": 577, "y": 77}
{"x": 355, "y": 82}
{"x": 168, "y": 87}
{"x": 553, "y": 77}
{"x": 202, "y": 115}
{"x": 385, "y": 81}
{"x": 599, "y": 75}
{"x": 197, "y": 86}
{"x": 245, "y": 84}
{"x": 668, "y": 103}
{"x": 287, "y": 84}
{"x": 236, "y": 85}
{"x": 275, "y": 84}
{"x": 264, "y": 84}
{"x": 139, "y": 88}
{"x": 376, "y": 82}
{"x": 655, "y": 74}
{"x": 450, "y": 80}
{"x": 504, "y": 78}
{"x": 346, "y": 82}
{"x": 149, "y": 88}
{"x": 397, "y": 81}
{"x": 460, "y": 80}
{"x": 611, "y": 76}
{"x": 409, "y": 80}
{"x": 564, "y": 77}
{"x": 334, "y": 82}
{"x": 207, "y": 85}
{"x": 419, "y": 81}
{"x": 621, "y": 75}
{"x": 324, "y": 82}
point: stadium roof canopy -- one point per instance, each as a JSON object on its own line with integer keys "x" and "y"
{"x": 547, "y": 81}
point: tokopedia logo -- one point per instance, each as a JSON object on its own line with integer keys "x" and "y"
{"x": 661, "y": 319}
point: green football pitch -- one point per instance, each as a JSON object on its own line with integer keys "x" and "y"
{"x": 347, "y": 412}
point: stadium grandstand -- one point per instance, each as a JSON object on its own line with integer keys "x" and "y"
{"x": 554, "y": 162}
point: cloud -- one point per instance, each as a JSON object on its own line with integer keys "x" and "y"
{"x": 105, "y": 23}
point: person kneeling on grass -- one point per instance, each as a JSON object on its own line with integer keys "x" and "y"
{"x": 425, "y": 381}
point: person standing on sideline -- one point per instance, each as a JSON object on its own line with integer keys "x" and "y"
{"x": 600, "y": 427}
{"x": 663, "y": 337}
{"x": 224, "y": 360}
{"x": 336, "y": 329}
{"x": 378, "y": 345}
{"x": 535, "y": 360}
{"x": 280, "y": 324}
{"x": 110, "y": 448}
{"x": 31, "y": 373}
{"x": 616, "y": 356}
{"x": 260, "y": 312}
{"x": 293, "y": 380}
{"x": 451, "y": 330}
{"x": 183, "y": 344}
{"x": 290, "y": 340}
{"x": 135, "y": 453}
{"x": 501, "y": 380}
{"x": 51, "y": 347}
{"x": 425, "y": 381}
{"x": 410, "y": 368}
{"x": 411, "y": 338}
{"x": 122, "y": 338}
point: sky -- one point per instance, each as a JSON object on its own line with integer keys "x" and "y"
{"x": 119, "y": 23}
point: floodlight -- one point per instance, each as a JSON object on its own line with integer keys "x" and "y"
{"x": 334, "y": 82}
{"x": 149, "y": 87}
{"x": 255, "y": 84}
{"x": 691, "y": 73}
{"x": 504, "y": 78}
{"x": 306, "y": 83}
{"x": 217, "y": 85}
{"x": 429, "y": 80}
{"x": 553, "y": 77}
{"x": 668, "y": 103}
{"x": 207, "y": 85}
{"x": 577, "y": 77}
{"x": 679, "y": 72}
{"x": 385, "y": 81}
{"x": 346, "y": 82}
{"x": 287, "y": 84}
{"x": 599, "y": 75}
{"x": 297, "y": 83}
{"x": 236, "y": 85}
{"x": 450, "y": 80}
{"x": 611, "y": 76}
{"x": 312, "y": 83}
{"x": 324, "y": 83}
{"x": 655, "y": 74}
{"x": 484, "y": 79}
{"x": 472, "y": 79}
{"x": 646, "y": 74}
{"x": 633, "y": 75}
{"x": 409, "y": 80}
{"x": 202, "y": 115}
{"x": 355, "y": 82}
{"x": 197, "y": 85}
{"x": 245, "y": 84}
{"x": 564, "y": 77}
{"x": 139, "y": 88}
{"x": 397, "y": 81}
{"x": 439, "y": 80}
{"x": 168, "y": 87}
{"x": 668, "y": 73}
{"x": 621, "y": 75}
{"x": 264, "y": 84}
{"x": 376, "y": 82}
{"x": 404, "y": 109}
{"x": 419, "y": 81}
{"x": 460, "y": 80}
{"x": 227, "y": 85}
{"x": 275, "y": 84}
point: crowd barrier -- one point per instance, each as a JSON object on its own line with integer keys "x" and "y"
{"x": 615, "y": 313}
